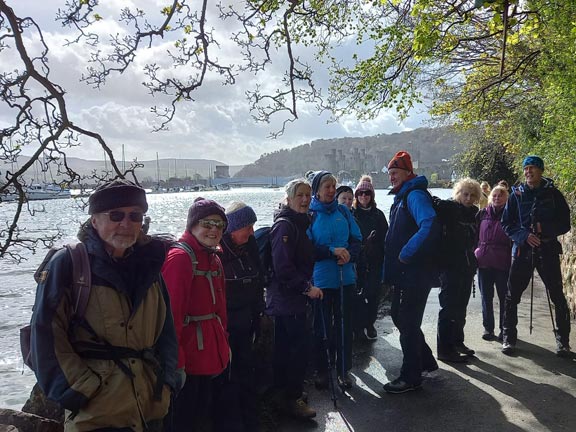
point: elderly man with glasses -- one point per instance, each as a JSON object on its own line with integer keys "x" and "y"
{"x": 113, "y": 368}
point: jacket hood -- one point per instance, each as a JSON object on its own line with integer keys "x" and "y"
{"x": 418, "y": 182}
{"x": 546, "y": 183}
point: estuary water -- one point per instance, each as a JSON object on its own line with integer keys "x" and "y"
{"x": 17, "y": 287}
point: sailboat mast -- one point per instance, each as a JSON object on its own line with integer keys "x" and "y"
{"x": 157, "y": 171}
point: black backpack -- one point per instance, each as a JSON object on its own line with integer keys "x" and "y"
{"x": 262, "y": 236}
{"x": 444, "y": 215}
{"x": 81, "y": 285}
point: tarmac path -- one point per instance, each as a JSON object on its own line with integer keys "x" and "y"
{"x": 533, "y": 390}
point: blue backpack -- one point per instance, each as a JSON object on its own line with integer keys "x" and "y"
{"x": 262, "y": 236}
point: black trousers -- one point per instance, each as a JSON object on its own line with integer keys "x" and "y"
{"x": 547, "y": 261}
{"x": 291, "y": 345}
{"x": 455, "y": 290}
{"x": 337, "y": 326}
{"x": 235, "y": 400}
{"x": 191, "y": 411}
{"x": 408, "y": 305}
{"x": 370, "y": 286}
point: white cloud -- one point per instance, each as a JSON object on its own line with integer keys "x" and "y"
{"x": 217, "y": 125}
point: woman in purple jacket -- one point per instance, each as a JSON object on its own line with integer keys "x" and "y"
{"x": 287, "y": 297}
{"x": 494, "y": 256}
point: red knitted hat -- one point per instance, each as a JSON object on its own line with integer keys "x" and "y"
{"x": 401, "y": 160}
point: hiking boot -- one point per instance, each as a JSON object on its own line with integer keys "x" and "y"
{"x": 400, "y": 386}
{"x": 321, "y": 380}
{"x": 564, "y": 351}
{"x": 488, "y": 335}
{"x": 463, "y": 349}
{"x": 345, "y": 382}
{"x": 298, "y": 409}
{"x": 508, "y": 348}
{"x": 453, "y": 357}
{"x": 371, "y": 332}
{"x": 430, "y": 368}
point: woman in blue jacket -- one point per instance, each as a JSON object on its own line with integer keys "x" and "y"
{"x": 337, "y": 241}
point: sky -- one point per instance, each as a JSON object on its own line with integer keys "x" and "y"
{"x": 216, "y": 125}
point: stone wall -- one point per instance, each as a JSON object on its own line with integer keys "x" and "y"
{"x": 568, "y": 262}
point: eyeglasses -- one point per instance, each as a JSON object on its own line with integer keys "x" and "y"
{"x": 365, "y": 193}
{"x": 119, "y": 216}
{"x": 211, "y": 223}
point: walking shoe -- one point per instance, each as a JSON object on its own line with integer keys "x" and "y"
{"x": 400, "y": 386}
{"x": 564, "y": 352}
{"x": 298, "y": 409}
{"x": 371, "y": 332}
{"x": 453, "y": 357}
{"x": 430, "y": 368}
{"x": 321, "y": 380}
{"x": 488, "y": 335}
{"x": 463, "y": 349}
{"x": 345, "y": 382}
{"x": 508, "y": 348}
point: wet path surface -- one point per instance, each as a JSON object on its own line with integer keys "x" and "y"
{"x": 531, "y": 391}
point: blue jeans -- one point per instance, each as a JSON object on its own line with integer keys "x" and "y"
{"x": 487, "y": 279}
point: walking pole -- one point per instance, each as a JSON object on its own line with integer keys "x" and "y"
{"x": 342, "y": 332}
{"x": 532, "y": 291}
{"x": 320, "y": 307}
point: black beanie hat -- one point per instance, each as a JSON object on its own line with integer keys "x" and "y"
{"x": 115, "y": 194}
{"x": 343, "y": 188}
{"x": 317, "y": 179}
{"x": 202, "y": 208}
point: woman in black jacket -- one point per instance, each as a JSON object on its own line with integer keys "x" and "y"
{"x": 288, "y": 295}
{"x": 373, "y": 226}
{"x": 236, "y": 394}
{"x": 458, "y": 270}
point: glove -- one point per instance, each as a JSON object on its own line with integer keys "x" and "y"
{"x": 180, "y": 379}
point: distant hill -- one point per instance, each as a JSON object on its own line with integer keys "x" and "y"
{"x": 148, "y": 173}
{"x": 432, "y": 148}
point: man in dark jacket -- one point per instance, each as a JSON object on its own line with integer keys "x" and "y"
{"x": 114, "y": 369}
{"x": 409, "y": 246}
{"x": 535, "y": 215}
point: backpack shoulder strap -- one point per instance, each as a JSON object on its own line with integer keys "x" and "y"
{"x": 186, "y": 248}
{"x": 288, "y": 221}
{"x": 81, "y": 277}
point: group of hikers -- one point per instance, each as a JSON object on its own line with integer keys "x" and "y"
{"x": 167, "y": 338}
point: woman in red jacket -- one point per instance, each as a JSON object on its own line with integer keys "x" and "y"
{"x": 195, "y": 281}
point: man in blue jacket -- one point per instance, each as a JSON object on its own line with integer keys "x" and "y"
{"x": 408, "y": 268}
{"x": 535, "y": 214}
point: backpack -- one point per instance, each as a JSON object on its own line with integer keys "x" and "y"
{"x": 450, "y": 234}
{"x": 262, "y": 236}
{"x": 81, "y": 285}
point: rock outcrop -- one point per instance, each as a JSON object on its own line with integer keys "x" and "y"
{"x": 12, "y": 421}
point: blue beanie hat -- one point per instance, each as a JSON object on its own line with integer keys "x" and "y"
{"x": 240, "y": 218}
{"x": 533, "y": 160}
{"x": 317, "y": 179}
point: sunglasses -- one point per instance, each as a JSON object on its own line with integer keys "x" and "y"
{"x": 211, "y": 223}
{"x": 119, "y": 216}
{"x": 365, "y": 193}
